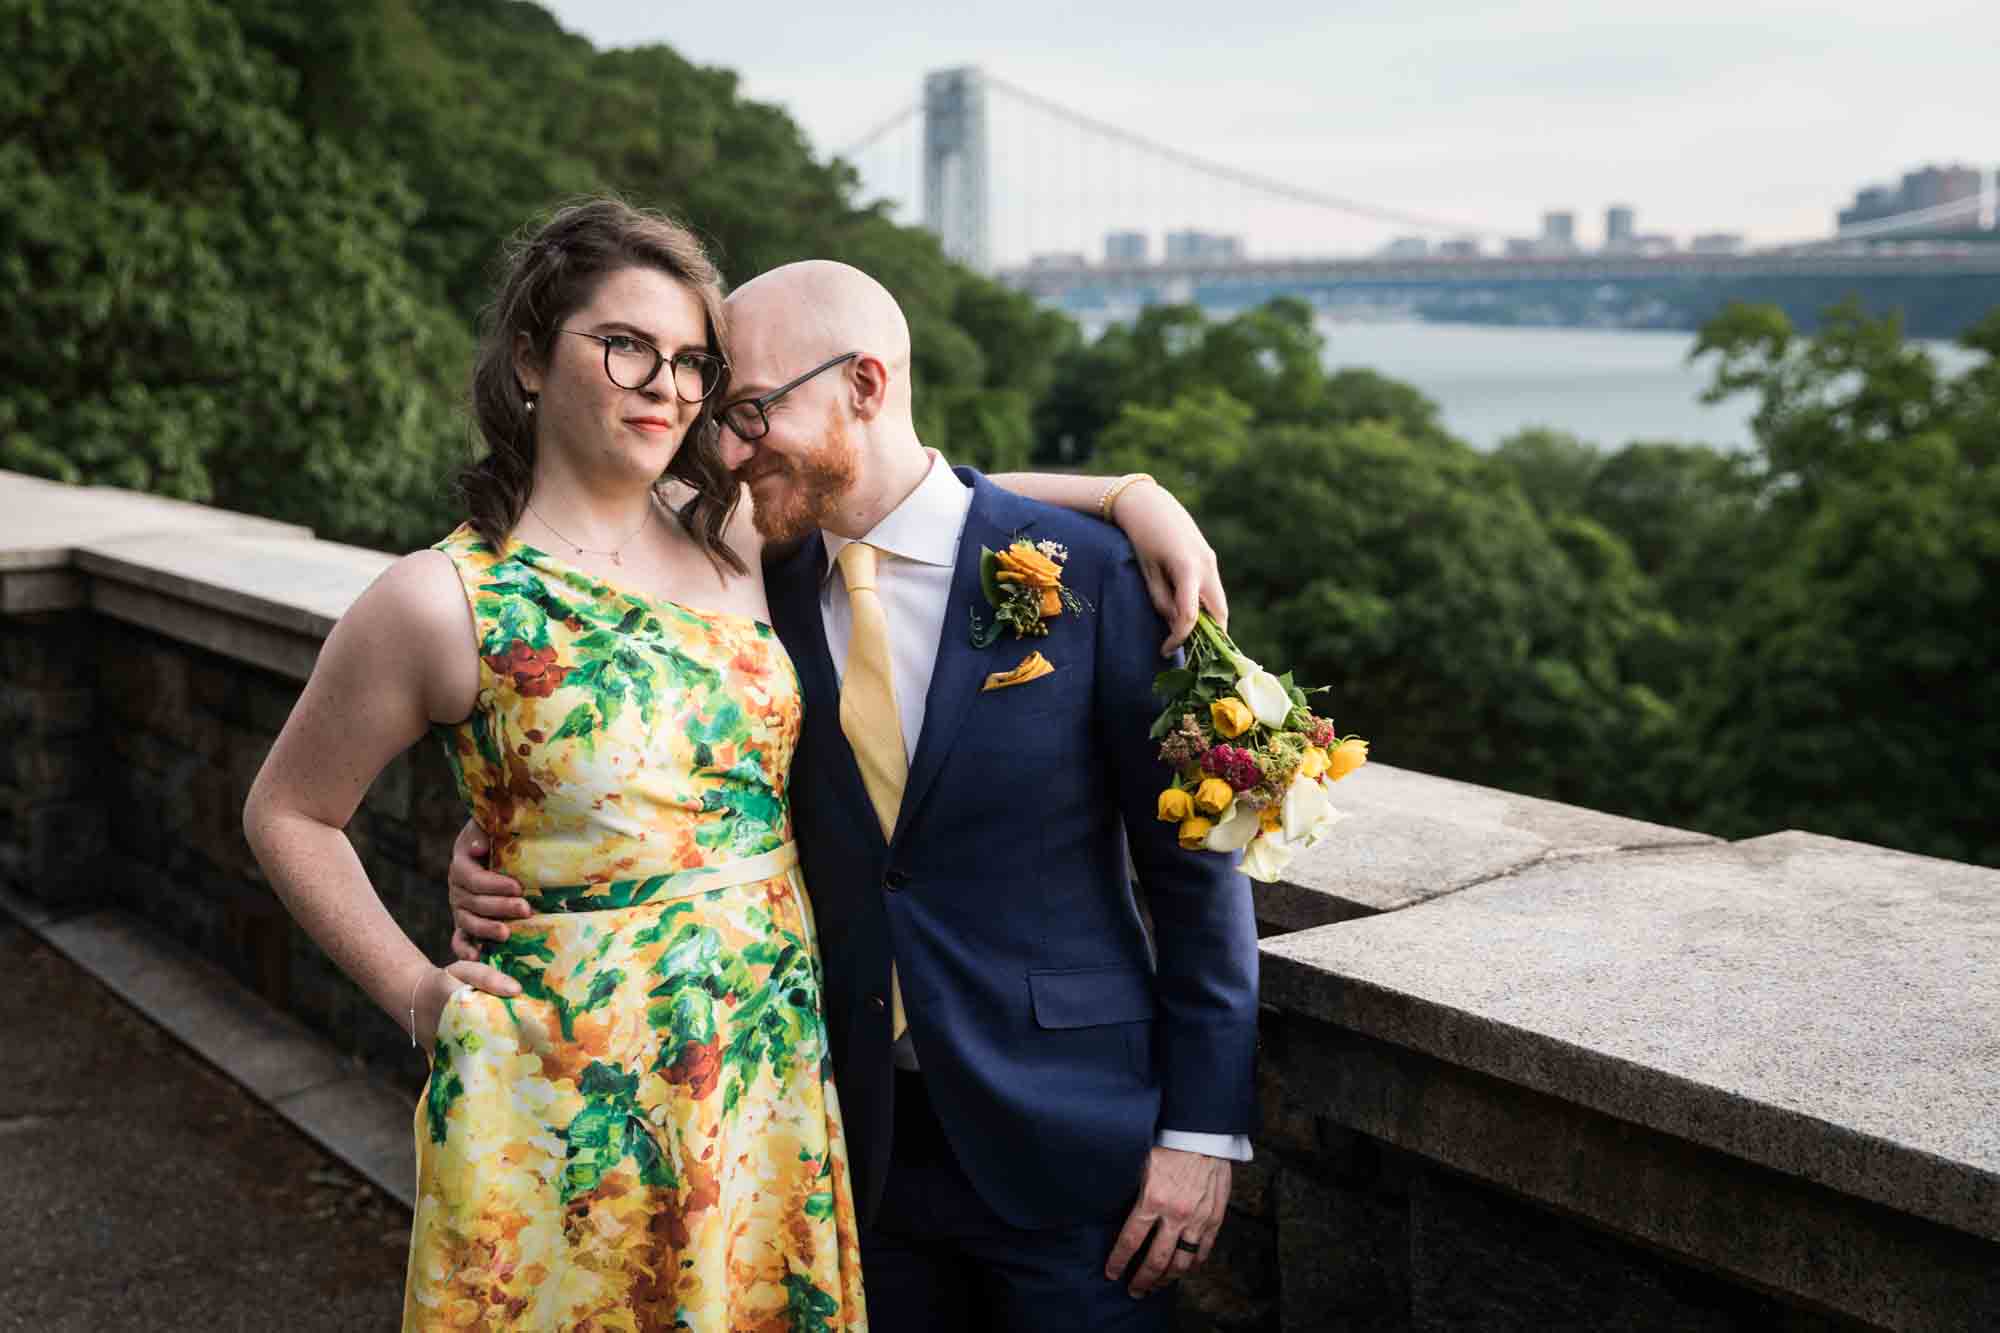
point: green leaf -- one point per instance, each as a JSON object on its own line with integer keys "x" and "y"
{"x": 989, "y": 566}
{"x": 1173, "y": 683}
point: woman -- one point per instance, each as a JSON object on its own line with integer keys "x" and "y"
{"x": 629, "y": 1117}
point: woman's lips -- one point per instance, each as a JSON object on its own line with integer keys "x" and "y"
{"x": 649, "y": 423}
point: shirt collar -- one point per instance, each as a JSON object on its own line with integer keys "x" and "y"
{"x": 925, "y": 527}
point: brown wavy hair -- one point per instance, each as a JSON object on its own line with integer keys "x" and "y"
{"x": 550, "y": 272}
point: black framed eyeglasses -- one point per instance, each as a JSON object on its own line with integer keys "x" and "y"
{"x": 631, "y": 363}
{"x": 746, "y": 416}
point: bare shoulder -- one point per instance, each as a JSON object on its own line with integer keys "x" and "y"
{"x": 413, "y": 627}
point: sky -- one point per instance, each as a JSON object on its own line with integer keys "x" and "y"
{"x": 1754, "y": 116}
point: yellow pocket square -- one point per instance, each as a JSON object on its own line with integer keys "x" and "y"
{"x": 1033, "y": 667}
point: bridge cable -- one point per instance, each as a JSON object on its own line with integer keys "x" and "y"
{"x": 1262, "y": 184}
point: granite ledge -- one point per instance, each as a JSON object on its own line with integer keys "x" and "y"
{"x": 1409, "y": 838}
{"x": 1619, "y": 982}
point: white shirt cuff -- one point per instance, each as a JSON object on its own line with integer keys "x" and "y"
{"x": 1235, "y": 1147}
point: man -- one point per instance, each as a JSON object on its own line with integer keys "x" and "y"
{"x": 1041, "y": 1113}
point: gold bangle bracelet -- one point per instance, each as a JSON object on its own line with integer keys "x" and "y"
{"x": 1116, "y": 489}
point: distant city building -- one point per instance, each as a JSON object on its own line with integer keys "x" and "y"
{"x": 1200, "y": 247}
{"x": 1618, "y": 227}
{"x": 1522, "y": 247}
{"x": 1925, "y": 188}
{"x": 1717, "y": 243}
{"x": 1060, "y": 259}
{"x": 1655, "y": 243}
{"x": 1558, "y": 232}
{"x": 1934, "y": 187}
{"x": 1466, "y": 247}
{"x": 1407, "y": 247}
{"x": 1125, "y": 247}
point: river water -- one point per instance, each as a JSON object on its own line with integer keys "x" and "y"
{"x": 1609, "y": 386}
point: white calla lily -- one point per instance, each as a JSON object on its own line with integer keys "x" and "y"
{"x": 1266, "y": 858}
{"x": 1307, "y": 813}
{"x": 1234, "y": 830}
{"x": 1265, "y": 694}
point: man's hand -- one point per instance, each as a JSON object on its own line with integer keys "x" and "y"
{"x": 481, "y": 902}
{"x": 1186, "y": 1195}
{"x": 1179, "y": 564}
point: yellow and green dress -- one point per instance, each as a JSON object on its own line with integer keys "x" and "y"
{"x": 648, "y": 1136}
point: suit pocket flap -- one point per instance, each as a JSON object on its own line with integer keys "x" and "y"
{"x": 1086, "y": 997}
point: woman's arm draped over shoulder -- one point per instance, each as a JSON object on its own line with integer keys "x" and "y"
{"x": 402, "y": 658}
{"x": 1177, "y": 561}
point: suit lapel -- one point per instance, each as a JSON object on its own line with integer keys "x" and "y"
{"x": 795, "y": 586}
{"x": 994, "y": 518}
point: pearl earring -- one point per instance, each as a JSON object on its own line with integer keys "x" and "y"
{"x": 529, "y": 401}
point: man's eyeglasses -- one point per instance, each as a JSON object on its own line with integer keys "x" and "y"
{"x": 631, "y": 363}
{"x": 746, "y": 416}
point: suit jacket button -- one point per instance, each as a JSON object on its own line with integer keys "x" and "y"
{"x": 895, "y": 880}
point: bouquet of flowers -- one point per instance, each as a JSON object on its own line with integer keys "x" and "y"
{"x": 1251, "y": 761}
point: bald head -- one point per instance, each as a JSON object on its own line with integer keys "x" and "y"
{"x": 798, "y": 315}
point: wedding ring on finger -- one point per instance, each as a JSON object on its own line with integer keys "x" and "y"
{"x": 1187, "y": 1246}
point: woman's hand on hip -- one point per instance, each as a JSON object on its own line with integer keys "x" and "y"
{"x": 481, "y": 902}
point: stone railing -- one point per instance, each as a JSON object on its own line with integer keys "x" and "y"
{"x": 1523, "y": 1065}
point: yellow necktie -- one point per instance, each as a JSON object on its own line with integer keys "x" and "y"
{"x": 868, "y": 713}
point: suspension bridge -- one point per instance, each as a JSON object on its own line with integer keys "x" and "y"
{"x": 1101, "y": 220}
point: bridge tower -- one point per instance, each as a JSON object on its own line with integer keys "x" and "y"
{"x": 955, "y": 181}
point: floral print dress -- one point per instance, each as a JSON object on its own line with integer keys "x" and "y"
{"x": 648, "y": 1136}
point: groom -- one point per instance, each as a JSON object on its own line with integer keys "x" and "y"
{"x": 1041, "y": 1111}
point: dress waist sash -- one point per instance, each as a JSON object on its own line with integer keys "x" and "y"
{"x": 609, "y": 895}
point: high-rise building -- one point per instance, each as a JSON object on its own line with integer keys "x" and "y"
{"x": 1125, "y": 247}
{"x": 1717, "y": 243}
{"x": 1619, "y": 233}
{"x": 1559, "y": 232}
{"x": 1936, "y": 187}
{"x": 1201, "y": 247}
{"x": 1925, "y": 188}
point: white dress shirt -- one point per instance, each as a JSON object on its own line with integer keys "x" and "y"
{"x": 918, "y": 541}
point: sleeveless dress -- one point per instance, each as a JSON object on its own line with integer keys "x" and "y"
{"x": 648, "y": 1136}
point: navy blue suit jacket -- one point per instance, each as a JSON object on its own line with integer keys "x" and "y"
{"x": 1052, "y": 1043}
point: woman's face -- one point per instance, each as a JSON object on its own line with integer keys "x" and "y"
{"x": 581, "y": 413}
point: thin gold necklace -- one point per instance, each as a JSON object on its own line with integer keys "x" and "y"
{"x": 613, "y": 552}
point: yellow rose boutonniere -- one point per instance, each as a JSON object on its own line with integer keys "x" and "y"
{"x": 1175, "y": 805}
{"x": 1024, "y": 586}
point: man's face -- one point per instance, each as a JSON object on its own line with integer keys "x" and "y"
{"x": 798, "y": 471}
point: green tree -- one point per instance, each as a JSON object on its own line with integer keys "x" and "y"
{"x": 1553, "y": 468}
{"x": 1454, "y": 628}
{"x": 200, "y": 300}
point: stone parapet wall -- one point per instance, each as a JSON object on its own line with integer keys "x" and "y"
{"x": 1523, "y": 1065}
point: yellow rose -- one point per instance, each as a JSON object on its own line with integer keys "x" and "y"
{"x": 1213, "y": 796}
{"x": 1271, "y": 819}
{"x": 1313, "y": 762}
{"x": 1232, "y": 717}
{"x": 1175, "y": 805}
{"x": 1349, "y": 755}
{"x": 1034, "y": 568}
{"x": 1194, "y": 833}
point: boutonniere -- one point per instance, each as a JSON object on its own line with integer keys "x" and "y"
{"x": 1024, "y": 587}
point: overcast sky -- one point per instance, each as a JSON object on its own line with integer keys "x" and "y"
{"x": 1759, "y": 116}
